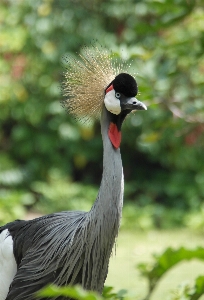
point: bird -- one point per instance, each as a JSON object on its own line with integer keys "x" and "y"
{"x": 74, "y": 247}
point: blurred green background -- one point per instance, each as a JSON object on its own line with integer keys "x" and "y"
{"x": 48, "y": 162}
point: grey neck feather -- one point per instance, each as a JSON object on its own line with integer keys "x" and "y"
{"x": 104, "y": 216}
{"x": 110, "y": 195}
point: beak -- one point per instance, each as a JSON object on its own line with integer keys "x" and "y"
{"x": 133, "y": 104}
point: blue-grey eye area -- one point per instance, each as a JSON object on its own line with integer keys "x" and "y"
{"x": 117, "y": 95}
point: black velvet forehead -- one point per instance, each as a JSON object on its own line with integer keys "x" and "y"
{"x": 125, "y": 84}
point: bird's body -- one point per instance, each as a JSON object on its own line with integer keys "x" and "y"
{"x": 84, "y": 239}
{"x": 72, "y": 247}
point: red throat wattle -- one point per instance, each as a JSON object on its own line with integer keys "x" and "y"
{"x": 114, "y": 135}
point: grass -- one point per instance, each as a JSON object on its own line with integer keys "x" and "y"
{"x": 136, "y": 247}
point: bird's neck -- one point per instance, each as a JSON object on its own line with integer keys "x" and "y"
{"x": 103, "y": 220}
{"x": 109, "y": 202}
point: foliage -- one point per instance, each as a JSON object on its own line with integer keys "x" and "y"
{"x": 161, "y": 148}
{"x": 195, "y": 219}
{"x": 76, "y": 292}
{"x": 187, "y": 292}
{"x": 164, "y": 262}
{"x": 63, "y": 195}
{"x": 151, "y": 216}
{"x": 109, "y": 294}
{"x": 11, "y": 205}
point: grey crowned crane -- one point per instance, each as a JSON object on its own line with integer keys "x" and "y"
{"x": 74, "y": 247}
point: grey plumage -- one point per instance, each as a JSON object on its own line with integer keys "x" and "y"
{"x": 84, "y": 239}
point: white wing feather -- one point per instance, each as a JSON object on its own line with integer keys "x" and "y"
{"x": 8, "y": 266}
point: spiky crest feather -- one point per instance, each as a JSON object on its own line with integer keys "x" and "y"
{"x": 86, "y": 79}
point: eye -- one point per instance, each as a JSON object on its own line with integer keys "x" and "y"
{"x": 117, "y": 95}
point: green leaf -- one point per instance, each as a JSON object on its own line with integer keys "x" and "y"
{"x": 164, "y": 262}
{"x": 75, "y": 292}
{"x": 109, "y": 294}
{"x": 198, "y": 288}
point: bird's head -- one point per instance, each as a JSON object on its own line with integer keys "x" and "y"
{"x": 91, "y": 82}
{"x": 119, "y": 101}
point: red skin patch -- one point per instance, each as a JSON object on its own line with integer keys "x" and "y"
{"x": 114, "y": 135}
{"x": 109, "y": 89}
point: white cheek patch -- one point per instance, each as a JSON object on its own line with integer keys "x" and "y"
{"x": 112, "y": 104}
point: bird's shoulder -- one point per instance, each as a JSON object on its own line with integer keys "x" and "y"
{"x": 25, "y": 233}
